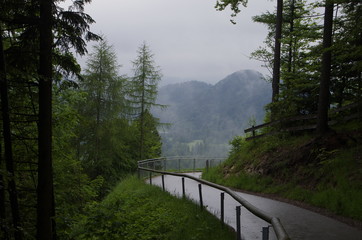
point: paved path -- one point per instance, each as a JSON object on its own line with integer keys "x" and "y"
{"x": 298, "y": 222}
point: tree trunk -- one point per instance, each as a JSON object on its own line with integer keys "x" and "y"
{"x": 277, "y": 46}
{"x": 142, "y": 120}
{"x": 323, "y": 101}
{"x": 3, "y": 226}
{"x": 2, "y": 183}
{"x": 8, "y": 145}
{"x": 291, "y": 42}
{"x": 98, "y": 115}
{"x": 143, "y": 106}
{"x": 45, "y": 207}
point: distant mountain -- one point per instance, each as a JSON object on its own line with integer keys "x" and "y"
{"x": 172, "y": 80}
{"x": 205, "y": 117}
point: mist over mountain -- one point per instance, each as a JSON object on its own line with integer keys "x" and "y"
{"x": 205, "y": 117}
{"x": 172, "y": 80}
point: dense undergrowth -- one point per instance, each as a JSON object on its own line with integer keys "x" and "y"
{"x": 325, "y": 172}
{"x": 135, "y": 210}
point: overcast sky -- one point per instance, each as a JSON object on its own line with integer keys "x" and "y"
{"x": 190, "y": 40}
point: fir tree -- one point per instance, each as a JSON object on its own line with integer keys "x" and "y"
{"x": 143, "y": 92}
{"x": 103, "y": 126}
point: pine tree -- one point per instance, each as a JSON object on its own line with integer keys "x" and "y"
{"x": 277, "y": 52}
{"x": 346, "y": 82}
{"x": 8, "y": 152}
{"x": 323, "y": 101}
{"x": 299, "y": 58}
{"x": 143, "y": 91}
{"x": 35, "y": 34}
{"x": 45, "y": 204}
{"x": 103, "y": 127}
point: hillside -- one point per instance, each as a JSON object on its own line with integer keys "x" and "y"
{"x": 205, "y": 117}
{"x": 320, "y": 173}
{"x": 134, "y": 210}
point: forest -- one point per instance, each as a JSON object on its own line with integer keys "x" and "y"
{"x": 68, "y": 134}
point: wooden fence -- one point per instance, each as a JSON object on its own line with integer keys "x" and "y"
{"x": 306, "y": 122}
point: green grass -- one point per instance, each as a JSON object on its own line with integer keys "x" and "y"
{"x": 329, "y": 179}
{"x": 135, "y": 210}
{"x": 342, "y": 198}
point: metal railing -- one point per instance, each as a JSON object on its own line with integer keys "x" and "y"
{"x": 173, "y": 166}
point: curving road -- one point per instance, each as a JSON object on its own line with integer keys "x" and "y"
{"x": 298, "y": 222}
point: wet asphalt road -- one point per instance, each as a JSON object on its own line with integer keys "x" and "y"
{"x": 298, "y": 222}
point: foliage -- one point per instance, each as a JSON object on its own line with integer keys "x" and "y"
{"x": 152, "y": 143}
{"x": 234, "y": 6}
{"x": 134, "y": 210}
{"x": 105, "y": 136}
{"x": 307, "y": 168}
{"x": 21, "y": 39}
{"x": 236, "y": 144}
{"x": 300, "y": 58}
{"x": 142, "y": 94}
{"x": 346, "y": 53}
{"x": 143, "y": 85}
{"x": 73, "y": 188}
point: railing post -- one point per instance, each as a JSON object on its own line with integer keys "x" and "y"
{"x": 164, "y": 165}
{"x": 265, "y": 233}
{"x": 277, "y": 226}
{"x": 150, "y": 178}
{"x": 183, "y": 188}
{"x": 207, "y": 165}
{"x": 179, "y": 165}
{"x": 200, "y": 194}
{"x": 253, "y": 130}
{"x": 163, "y": 182}
{"x": 194, "y": 165}
{"x": 222, "y": 197}
{"x": 238, "y": 225}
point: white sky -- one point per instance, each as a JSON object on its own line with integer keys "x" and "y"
{"x": 190, "y": 40}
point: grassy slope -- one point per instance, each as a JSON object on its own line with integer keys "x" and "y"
{"x": 324, "y": 172}
{"x": 135, "y": 210}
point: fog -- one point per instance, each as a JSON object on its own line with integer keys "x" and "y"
{"x": 190, "y": 39}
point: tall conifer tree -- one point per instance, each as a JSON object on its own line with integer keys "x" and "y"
{"x": 35, "y": 35}
{"x": 103, "y": 127}
{"x": 8, "y": 147}
{"x": 277, "y": 51}
{"x": 323, "y": 102}
{"x": 143, "y": 90}
{"x": 45, "y": 205}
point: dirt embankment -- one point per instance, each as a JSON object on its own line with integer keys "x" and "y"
{"x": 307, "y": 164}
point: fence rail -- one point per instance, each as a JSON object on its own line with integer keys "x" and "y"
{"x": 310, "y": 126}
{"x": 153, "y": 166}
{"x": 180, "y": 163}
